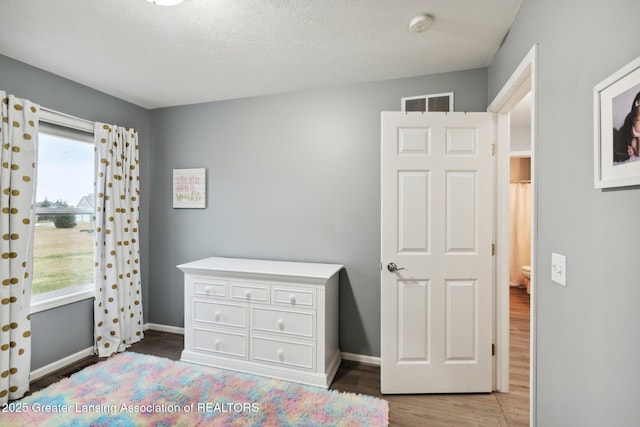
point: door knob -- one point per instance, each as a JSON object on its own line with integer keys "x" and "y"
{"x": 393, "y": 267}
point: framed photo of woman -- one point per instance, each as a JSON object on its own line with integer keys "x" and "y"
{"x": 616, "y": 119}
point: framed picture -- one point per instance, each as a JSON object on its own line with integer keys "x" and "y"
{"x": 616, "y": 120}
{"x": 190, "y": 188}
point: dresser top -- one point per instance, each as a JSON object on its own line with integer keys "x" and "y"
{"x": 255, "y": 266}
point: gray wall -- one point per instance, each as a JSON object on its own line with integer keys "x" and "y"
{"x": 588, "y": 339}
{"x": 60, "y": 332}
{"x": 290, "y": 177}
{"x": 65, "y": 96}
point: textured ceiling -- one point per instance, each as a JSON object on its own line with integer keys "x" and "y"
{"x": 207, "y": 50}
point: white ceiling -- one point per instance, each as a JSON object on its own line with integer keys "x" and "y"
{"x": 207, "y": 50}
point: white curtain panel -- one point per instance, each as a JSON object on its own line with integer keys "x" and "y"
{"x": 520, "y": 231}
{"x": 118, "y": 303}
{"x": 19, "y": 136}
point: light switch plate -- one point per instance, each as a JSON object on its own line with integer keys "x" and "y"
{"x": 559, "y": 269}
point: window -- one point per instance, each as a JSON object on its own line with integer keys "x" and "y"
{"x": 63, "y": 264}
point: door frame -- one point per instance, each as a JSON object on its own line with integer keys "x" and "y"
{"x": 522, "y": 81}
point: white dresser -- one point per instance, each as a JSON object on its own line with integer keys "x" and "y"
{"x": 272, "y": 318}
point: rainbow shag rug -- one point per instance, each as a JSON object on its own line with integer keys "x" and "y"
{"x": 132, "y": 389}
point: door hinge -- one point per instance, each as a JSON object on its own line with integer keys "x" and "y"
{"x": 493, "y": 349}
{"x": 493, "y": 149}
{"x": 493, "y": 249}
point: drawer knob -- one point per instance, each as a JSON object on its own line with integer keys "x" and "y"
{"x": 281, "y": 324}
{"x": 292, "y": 298}
{"x": 216, "y": 344}
{"x": 247, "y": 294}
{"x": 208, "y": 290}
{"x": 218, "y": 315}
{"x": 281, "y": 355}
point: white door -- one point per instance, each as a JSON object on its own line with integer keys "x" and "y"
{"x": 436, "y": 279}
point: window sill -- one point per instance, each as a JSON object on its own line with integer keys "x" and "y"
{"x": 53, "y": 299}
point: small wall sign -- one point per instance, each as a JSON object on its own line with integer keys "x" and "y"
{"x": 189, "y": 188}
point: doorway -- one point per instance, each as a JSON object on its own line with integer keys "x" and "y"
{"x": 521, "y": 83}
{"x": 520, "y": 284}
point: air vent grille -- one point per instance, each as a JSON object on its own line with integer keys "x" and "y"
{"x": 429, "y": 103}
{"x": 439, "y": 103}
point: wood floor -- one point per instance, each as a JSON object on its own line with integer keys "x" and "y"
{"x": 442, "y": 410}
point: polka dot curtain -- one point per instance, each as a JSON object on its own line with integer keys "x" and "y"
{"x": 18, "y": 135}
{"x": 118, "y": 303}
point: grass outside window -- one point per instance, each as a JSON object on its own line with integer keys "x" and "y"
{"x": 63, "y": 257}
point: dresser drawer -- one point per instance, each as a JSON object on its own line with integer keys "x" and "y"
{"x": 209, "y": 287}
{"x": 298, "y": 323}
{"x": 219, "y": 313}
{"x": 247, "y": 291}
{"x": 286, "y": 353}
{"x": 223, "y": 343}
{"x": 293, "y": 297}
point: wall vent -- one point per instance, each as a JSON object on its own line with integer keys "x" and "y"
{"x": 428, "y": 103}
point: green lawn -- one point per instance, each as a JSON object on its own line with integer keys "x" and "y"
{"x": 63, "y": 257}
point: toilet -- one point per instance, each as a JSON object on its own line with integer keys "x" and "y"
{"x": 526, "y": 272}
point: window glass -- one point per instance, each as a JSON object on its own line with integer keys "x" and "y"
{"x": 63, "y": 244}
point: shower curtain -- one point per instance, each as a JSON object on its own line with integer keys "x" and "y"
{"x": 520, "y": 231}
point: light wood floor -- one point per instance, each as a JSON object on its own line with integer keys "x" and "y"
{"x": 441, "y": 410}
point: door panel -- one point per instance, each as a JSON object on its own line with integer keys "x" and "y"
{"x": 413, "y": 141}
{"x": 461, "y": 321}
{"x": 413, "y": 212}
{"x": 413, "y": 298}
{"x": 460, "y": 215}
{"x": 437, "y": 228}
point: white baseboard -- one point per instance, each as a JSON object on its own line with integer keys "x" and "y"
{"x": 90, "y": 351}
{"x": 164, "y": 328}
{"x": 66, "y": 361}
{"x": 59, "y": 364}
{"x": 361, "y": 358}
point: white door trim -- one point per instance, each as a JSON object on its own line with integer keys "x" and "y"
{"x": 523, "y": 80}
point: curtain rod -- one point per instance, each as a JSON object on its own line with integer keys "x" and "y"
{"x": 57, "y": 118}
